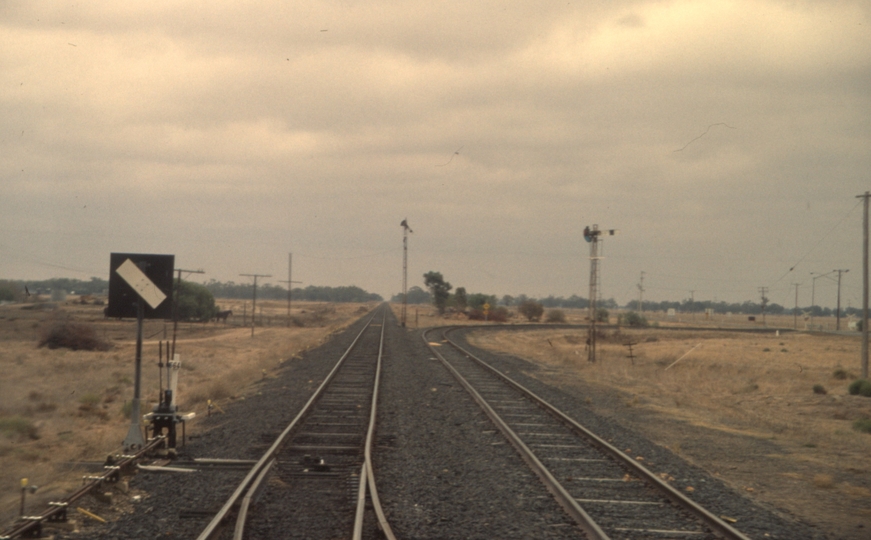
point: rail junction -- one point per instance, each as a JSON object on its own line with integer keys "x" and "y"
{"x": 382, "y": 434}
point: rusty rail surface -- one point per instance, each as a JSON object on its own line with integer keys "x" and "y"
{"x": 31, "y": 526}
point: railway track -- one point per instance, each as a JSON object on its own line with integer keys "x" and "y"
{"x": 316, "y": 478}
{"x": 608, "y": 493}
{"x": 31, "y": 526}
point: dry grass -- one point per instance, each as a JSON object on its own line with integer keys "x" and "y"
{"x": 60, "y": 406}
{"x": 758, "y": 384}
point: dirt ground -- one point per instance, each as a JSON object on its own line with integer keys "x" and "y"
{"x": 59, "y": 408}
{"x": 740, "y": 405}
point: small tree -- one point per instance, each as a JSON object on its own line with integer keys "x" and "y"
{"x": 195, "y": 302}
{"x": 602, "y": 315}
{"x": 531, "y": 309}
{"x": 8, "y": 291}
{"x": 439, "y": 288}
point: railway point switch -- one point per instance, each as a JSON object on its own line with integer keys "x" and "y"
{"x": 165, "y": 417}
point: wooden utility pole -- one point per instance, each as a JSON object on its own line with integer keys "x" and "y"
{"x": 405, "y": 230}
{"x": 254, "y": 300}
{"x": 866, "y": 196}
{"x": 838, "y": 318}
{"x": 795, "y": 309}
{"x": 290, "y": 283}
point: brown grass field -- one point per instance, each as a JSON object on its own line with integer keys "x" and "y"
{"x": 59, "y": 407}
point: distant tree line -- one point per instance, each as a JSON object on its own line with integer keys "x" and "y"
{"x": 439, "y": 295}
{"x": 311, "y": 293}
{"x": 14, "y": 290}
{"x": 748, "y": 308}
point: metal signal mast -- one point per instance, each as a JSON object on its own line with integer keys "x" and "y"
{"x": 405, "y": 230}
{"x": 591, "y": 235}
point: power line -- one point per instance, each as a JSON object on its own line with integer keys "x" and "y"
{"x": 820, "y": 241}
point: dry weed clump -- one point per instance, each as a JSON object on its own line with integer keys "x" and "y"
{"x": 862, "y": 425}
{"x": 74, "y": 336}
{"x": 823, "y": 481}
{"x": 19, "y": 427}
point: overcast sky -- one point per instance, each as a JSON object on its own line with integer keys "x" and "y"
{"x": 727, "y": 141}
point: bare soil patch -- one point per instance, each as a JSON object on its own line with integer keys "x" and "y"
{"x": 739, "y": 405}
{"x": 59, "y": 407}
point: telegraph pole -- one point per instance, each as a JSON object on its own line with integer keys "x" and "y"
{"x": 254, "y": 302}
{"x": 838, "y": 319}
{"x": 693, "y": 303}
{"x": 591, "y": 235}
{"x": 290, "y": 283}
{"x": 866, "y": 196}
{"x": 405, "y": 230}
{"x": 795, "y": 309}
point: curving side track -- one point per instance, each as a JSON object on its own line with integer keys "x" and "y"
{"x": 608, "y": 493}
{"x": 315, "y": 476}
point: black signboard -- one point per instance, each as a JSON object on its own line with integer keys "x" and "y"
{"x": 123, "y": 298}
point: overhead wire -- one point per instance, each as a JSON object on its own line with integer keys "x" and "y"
{"x": 820, "y": 241}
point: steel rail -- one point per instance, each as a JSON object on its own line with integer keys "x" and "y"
{"x": 563, "y": 497}
{"x": 367, "y": 477}
{"x": 671, "y": 493}
{"x": 57, "y": 512}
{"x": 214, "y": 525}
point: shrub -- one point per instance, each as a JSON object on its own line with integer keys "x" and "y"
{"x": 75, "y": 336}
{"x": 819, "y": 389}
{"x": 500, "y": 314}
{"x": 17, "y": 425}
{"x": 89, "y": 401}
{"x": 602, "y": 315}
{"x": 841, "y": 374}
{"x": 8, "y": 291}
{"x": 555, "y": 316}
{"x": 631, "y": 318}
{"x": 860, "y": 387}
{"x": 531, "y": 309}
{"x": 863, "y": 425}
